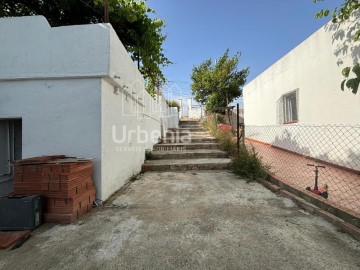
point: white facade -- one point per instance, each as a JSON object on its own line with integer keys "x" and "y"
{"x": 311, "y": 73}
{"x": 195, "y": 112}
{"x": 77, "y": 92}
{"x": 313, "y": 69}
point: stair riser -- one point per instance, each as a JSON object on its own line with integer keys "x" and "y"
{"x": 190, "y": 126}
{"x": 187, "y": 130}
{"x": 189, "y": 122}
{"x": 188, "y": 140}
{"x": 184, "y": 167}
{"x": 189, "y": 156}
{"x": 188, "y": 147}
{"x": 183, "y": 134}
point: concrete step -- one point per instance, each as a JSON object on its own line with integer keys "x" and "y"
{"x": 186, "y": 164}
{"x": 189, "y": 123}
{"x": 189, "y": 154}
{"x": 176, "y": 134}
{"x": 184, "y": 146}
{"x": 189, "y": 139}
{"x": 192, "y": 129}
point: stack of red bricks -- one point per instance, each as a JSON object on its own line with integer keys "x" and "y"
{"x": 65, "y": 184}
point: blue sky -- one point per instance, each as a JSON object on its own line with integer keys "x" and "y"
{"x": 262, "y": 30}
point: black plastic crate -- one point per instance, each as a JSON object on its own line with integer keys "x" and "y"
{"x": 20, "y": 212}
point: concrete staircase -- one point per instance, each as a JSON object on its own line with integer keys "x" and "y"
{"x": 189, "y": 147}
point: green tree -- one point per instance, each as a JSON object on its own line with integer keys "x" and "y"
{"x": 132, "y": 20}
{"x": 218, "y": 84}
{"x": 339, "y": 15}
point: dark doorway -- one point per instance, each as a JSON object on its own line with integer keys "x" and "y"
{"x": 10, "y": 150}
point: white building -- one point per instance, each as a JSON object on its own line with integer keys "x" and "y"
{"x": 74, "y": 90}
{"x": 195, "y": 111}
{"x": 303, "y": 89}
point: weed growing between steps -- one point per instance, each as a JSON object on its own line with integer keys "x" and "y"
{"x": 246, "y": 163}
{"x": 148, "y": 154}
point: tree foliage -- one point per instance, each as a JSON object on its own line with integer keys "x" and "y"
{"x": 132, "y": 20}
{"x": 339, "y": 15}
{"x": 218, "y": 84}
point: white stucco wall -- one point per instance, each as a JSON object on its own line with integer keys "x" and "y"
{"x": 58, "y": 117}
{"x": 313, "y": 69}
{"x": 194, "y": 113}
{"x": 30, "y": 48}
{"x": 173, "y": 117}
{"x": 71, "y": 85}
{"x": 50, "y": 78}
{"x": 124, "y": 138}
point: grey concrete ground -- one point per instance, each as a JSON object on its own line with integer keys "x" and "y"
{"x": 187, "y": 220}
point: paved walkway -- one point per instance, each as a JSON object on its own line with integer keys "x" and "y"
{"x": 190, "y": 220}
{"x": 344, "y": 186}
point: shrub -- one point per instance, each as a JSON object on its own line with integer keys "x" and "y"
{"x": 210, "y": 124}
{"x": 134, "y": 177}
{"x": 248, "y": 164}
{"x": 225, "y": 138}
{"x": 226, "y": 141}
{"x": 148, "y": 154}
{"x": 173, "y": 103}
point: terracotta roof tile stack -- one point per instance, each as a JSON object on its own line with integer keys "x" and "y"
{"x": 65, "y": 184}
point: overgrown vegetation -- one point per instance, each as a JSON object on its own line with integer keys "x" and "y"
{"x": 134, "y": 177}
{"x": 173, "y": 103}
{"x": 245, "y": 163}
{"x": 148, "y": 154}
{"x": 248, "y": 164}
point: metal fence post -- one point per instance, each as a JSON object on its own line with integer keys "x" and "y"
{"x": 243, "y": 134}
{"x": 237, "y": 128}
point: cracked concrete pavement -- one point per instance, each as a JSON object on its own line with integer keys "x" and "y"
{"x": 190, "y": 220}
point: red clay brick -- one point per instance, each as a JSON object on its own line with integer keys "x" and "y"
{"x": 38, "y": 160}
{"x": 29, "y": 169}
{"x": 18, "y": 169}
{"x": 18, "y": 178}
{"x": 44, "y": 186}
{"x": 32, "y": 177}
{"x": 54, "y": 186}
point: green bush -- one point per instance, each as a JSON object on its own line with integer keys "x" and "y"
{"x": 227, "y": 142}
{"x": 148, "y": 154}
{"x": 225, "y": 138}
{"x": 248, "y": 164}
{"x": 173, "y": 103}
{"x": 134, "y": 177}
{"x": 210, "y": 124}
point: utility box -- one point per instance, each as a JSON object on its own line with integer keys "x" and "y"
{"x": 20, "y": 212}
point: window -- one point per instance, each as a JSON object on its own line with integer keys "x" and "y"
{"x": 290, "y": 111}
{"x": 290, "y": 108}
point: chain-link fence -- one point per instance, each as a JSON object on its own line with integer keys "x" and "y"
{"x": 287, "y": 149}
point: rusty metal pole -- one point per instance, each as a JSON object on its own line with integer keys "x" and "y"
{"x": 106, "y": 11}
{"x": 237, "y": 128}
